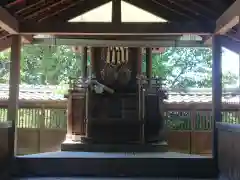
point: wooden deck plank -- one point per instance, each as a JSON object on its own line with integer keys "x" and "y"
{"x": 112, "y": 155}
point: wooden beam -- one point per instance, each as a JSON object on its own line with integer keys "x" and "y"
{"x": 156, "y": 9}
{"x": 6, "y": 42}
{"x": 227, "y": 20}
{"x": 120, "y": 37}
{"x": 8, "y": 22}
{"x": 11, "y": 25}
{"x": 27, "y": 39}
{"x": 6, "y": 2}
{"x": 65, "y": 28}
{"x": 81, "y": 7}
{"x": 125, "y": 43}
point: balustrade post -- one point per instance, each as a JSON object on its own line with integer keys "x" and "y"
{"x": 41, "y": 127}
{"x": 193, "y": 120}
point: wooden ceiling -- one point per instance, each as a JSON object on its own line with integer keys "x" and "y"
{"x": 172, "y": 10}
{"x": 63, "y": 10}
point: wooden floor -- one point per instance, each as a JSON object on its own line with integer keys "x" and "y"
{"x": 69, "y": 178}
{"x": 80, "y": 164}
{"x": 65, "y": 154}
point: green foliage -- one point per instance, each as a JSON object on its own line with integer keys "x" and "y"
{"x": 187, "y": 67}
{"x": 179, "y": 67}
{"x": 4, "y": 66}
{"x": 47, "y": 65}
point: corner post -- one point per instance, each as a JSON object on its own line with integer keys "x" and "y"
{"x": 13, "y": 102}
{"x": 216, "y": 90}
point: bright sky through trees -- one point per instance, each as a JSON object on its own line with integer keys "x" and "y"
{"x": 230, "y": 62}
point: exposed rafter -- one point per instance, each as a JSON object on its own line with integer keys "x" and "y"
{"x": 6, "y": 2}
{"x": 172, "y": 10}
{"x": 227, "y": 20}
{"x": 80, "y": 8}
{"x": 174, "y": 28}
{"x": 157, "y": 10}
{"x": 8, "y": 22}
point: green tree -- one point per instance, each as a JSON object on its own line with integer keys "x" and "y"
{"x": 187, "y": 67}
{"x": 48, "y": 65}
{"x": 179, "y": 67}
{"x": 4, "y": 67}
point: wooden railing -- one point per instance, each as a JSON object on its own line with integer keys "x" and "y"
{"x": 52, "y": 115}
{"x": 42, "y": 125}
{"x": 32, "y": 114}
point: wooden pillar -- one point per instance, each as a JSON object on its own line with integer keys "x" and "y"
{"x": 92, "y": 57}
{"x": 14, "y": 81}
{"x": 79, "y": 62}
{"x": 116, "y": 12}
{"x": 149, "y": 63}
{"x": 84, "y": 63}
{"x": 69, "y": 116}
{"x": 139, "y": 61}
{"x": 216, "y": 90}
{"x": 239, "y": 72}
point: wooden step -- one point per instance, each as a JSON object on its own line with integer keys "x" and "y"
{"x": 65, "y": 164}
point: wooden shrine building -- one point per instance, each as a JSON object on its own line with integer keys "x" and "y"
{"x": 214, "y": 22}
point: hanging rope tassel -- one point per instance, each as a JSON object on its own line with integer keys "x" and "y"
{"x": 108, "y": 56}
{"x": 126, "y": 53}
{"x": 113, "y": 60}
{"x": 118, "y": 55}
{"x": 121, "y": 52}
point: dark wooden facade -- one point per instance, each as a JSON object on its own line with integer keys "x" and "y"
{"x": 214, "y": 21}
